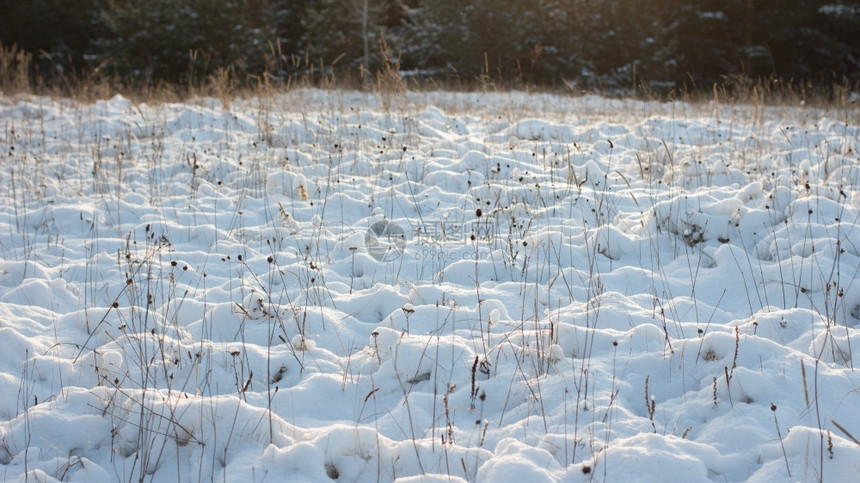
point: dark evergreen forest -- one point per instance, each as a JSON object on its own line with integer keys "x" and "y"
{"x": 609, "y": 45}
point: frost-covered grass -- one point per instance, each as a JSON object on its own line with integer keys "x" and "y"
{"x": 481, "y": 287}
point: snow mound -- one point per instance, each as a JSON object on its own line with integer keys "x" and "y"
{"x": 465, "y": 287}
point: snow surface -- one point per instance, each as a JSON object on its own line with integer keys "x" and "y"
{"x": 300, "y": 288}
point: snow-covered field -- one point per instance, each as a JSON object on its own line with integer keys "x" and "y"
{"x": 428, "y": 287}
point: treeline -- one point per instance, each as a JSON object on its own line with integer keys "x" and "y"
{"x": 622, "y": 45}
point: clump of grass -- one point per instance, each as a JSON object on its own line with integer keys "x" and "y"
{"x": 473, "y": 393}
{"x": 449, "y": 422}
{"x": 15, "y": 66}
{"x": 714, "y": 390}
{"x": 650, "y": 405}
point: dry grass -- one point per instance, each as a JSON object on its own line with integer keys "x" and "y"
{"x": 14, "y": 70}
{"x": 18, "y": 75}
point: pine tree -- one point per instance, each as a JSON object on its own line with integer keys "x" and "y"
{"x": 346, "y": 33}
{"x": 184, "y": 40}
{"x": 58, "y": 32}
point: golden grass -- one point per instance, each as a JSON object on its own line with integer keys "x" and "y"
{"x": 18, "y": 76}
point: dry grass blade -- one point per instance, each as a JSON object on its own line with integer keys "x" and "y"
{"x": 845, "y": 432}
